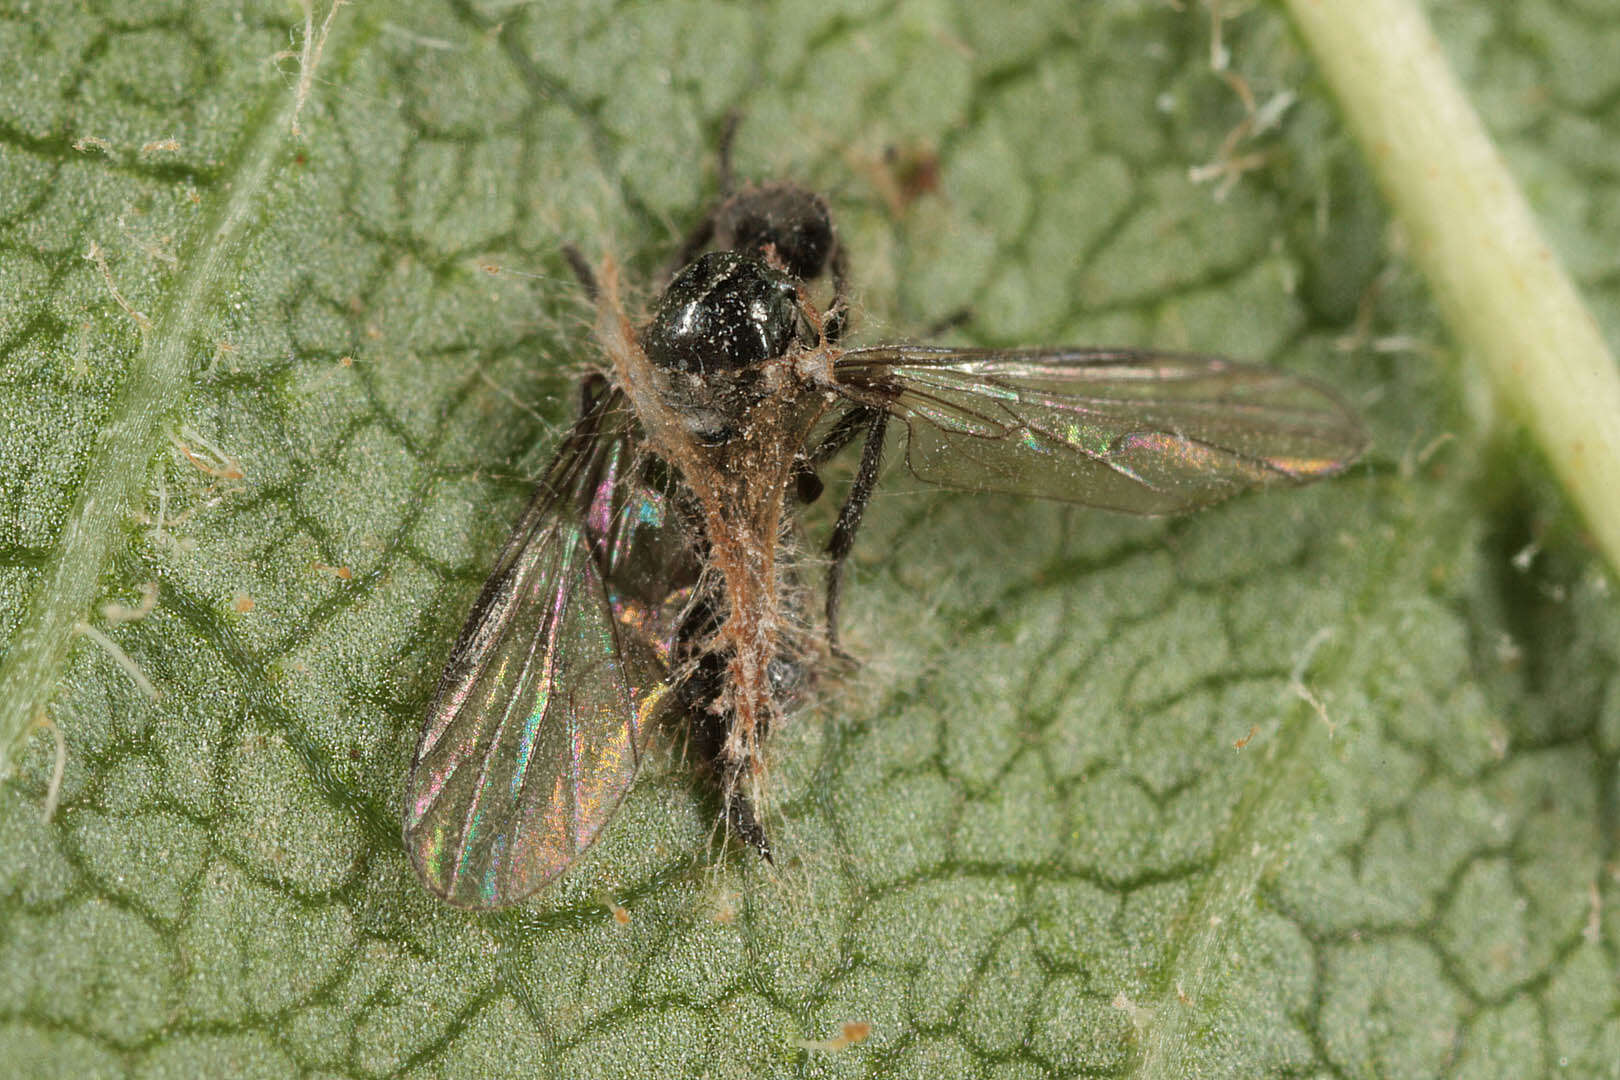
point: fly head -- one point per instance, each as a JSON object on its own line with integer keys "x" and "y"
{"x": 781, "y": 219}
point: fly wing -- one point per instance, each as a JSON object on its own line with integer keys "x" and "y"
{"x": 537, "y": 727}
{"x": 1139, "y": 431}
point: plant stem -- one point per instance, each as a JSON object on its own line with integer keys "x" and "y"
{"x": 1500, "y": 289}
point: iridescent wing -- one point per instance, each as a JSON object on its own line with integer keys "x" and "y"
{"x": 1139, "y": 431}
{"x": 536, "y": 731}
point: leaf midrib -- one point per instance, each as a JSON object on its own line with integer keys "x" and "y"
{"x": 120, "y": 462}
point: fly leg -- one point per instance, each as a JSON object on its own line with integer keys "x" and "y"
{"x": 876, "y": 423}
{"x": 582, "y": 270}
{"x": 807, "y": 485}
{"x": 835, "y": 320}
{"x": 591, "y": 389}
{"x": 703, "y": 231}
{"x": 873, "y": 421}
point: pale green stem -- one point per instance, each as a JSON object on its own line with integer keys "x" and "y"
{"x": 1502, "y": 292}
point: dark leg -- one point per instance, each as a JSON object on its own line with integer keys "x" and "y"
{"x": 582, "y": 270}
{"x": 591, "y": 389}
{"x": 849, "y": 518}
{"x": 807, "y": 486}
{"x": 695, "y": 241}
{"x": 836, "y": 319}
{"x": 703, "y": 232}
{"x": 855, "y": 421}
{"x": 745, "y": 823}
{"x": 722, "y": 150}
{"x": 960, "y": 317}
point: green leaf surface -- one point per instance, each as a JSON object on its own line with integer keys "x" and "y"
{"x": 1317, "y": 783}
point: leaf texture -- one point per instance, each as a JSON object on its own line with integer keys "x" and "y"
{"x": 1316, "y": 782}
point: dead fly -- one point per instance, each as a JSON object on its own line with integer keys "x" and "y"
{"x": 653, "y": 572}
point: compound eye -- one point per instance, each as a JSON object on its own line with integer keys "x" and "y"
{"x": 724, "y": 312}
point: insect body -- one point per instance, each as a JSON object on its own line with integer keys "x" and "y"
{"x": 652, "y": 575}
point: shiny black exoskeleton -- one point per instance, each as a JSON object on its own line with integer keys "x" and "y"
{"x": 787, "y": 226}
{"x": 725, "y": 312}
{"x": 653, "y": 575}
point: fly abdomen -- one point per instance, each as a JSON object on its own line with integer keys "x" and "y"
{"x": 706, "y": 670}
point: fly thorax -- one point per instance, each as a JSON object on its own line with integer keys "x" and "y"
{"x": 721, "y": 338}
{"x": 724, "y": 311}
{"x": 713, "y": 408}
